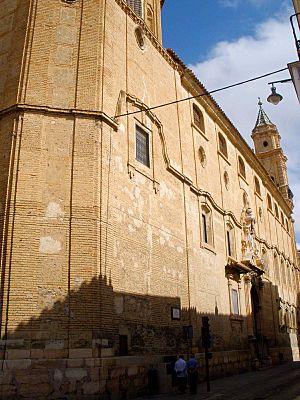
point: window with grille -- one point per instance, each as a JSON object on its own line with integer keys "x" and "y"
{"x": 142, "y": 146}
{"x": 230, "y": 240}
{"x": 257, "y": 186}
{"x": 269, "y": 202}
{"x": 242, "y": 168}
{"x": 223, "y": 145}
{"x": 235, "y": 302}
{"x": 276, "y": 211}
{"x": 136, "y": 5}
{"x": 207, "y": 234}
{"x": 204, "y": 228}
{"x": 198, "y": 118}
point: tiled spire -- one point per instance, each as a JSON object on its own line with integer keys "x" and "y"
{"x": 262, "y": 118}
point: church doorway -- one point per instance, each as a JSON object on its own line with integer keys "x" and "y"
{"x": 261, "y": 345}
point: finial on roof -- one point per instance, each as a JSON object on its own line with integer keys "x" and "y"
{"x": 262, "y": 118}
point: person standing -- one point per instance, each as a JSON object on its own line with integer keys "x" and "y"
{"x": 181, "y": 374}
{"x": 192, "y": 370}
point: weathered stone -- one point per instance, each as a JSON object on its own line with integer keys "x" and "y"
{"x": 58, "y": 375}
{"x": 6, "y": 377}
{"x": 89, "y": 362}
{"x": 91, "y": 387}
{"x": 80, "y": 353}
{"x": 17, "y": 354}
{"x": 132, "y": 371}
{"x": 8, "y": 390}
{"x": 76, "y": 374}
{"x": 75, "y": 362}
{"x": 31, "y": 376}
{"x": 36, "y": 353}
{"x": 116, "y": 372}
{"x": 54, "y": 344}
{"x": 16, "y": 364}
{"x": 30, "y": 391}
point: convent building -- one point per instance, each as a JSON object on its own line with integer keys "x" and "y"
{"x": 122, "y": 224}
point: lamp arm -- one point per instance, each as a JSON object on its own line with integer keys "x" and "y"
{"x": 283, "y": 81}
{"x": 297, "y": 41}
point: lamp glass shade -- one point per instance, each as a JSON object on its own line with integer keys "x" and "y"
{"x": 274, "y": 97}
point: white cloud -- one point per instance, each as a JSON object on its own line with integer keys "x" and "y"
{"x": 269, "y": 49}
{"x": 237, "y": 3}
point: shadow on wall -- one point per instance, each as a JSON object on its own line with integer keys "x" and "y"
{"x": 98, "y": 341}
{"x": 101, "y": 322}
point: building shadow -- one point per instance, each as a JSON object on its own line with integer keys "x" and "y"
{"x": 104, "y": 342}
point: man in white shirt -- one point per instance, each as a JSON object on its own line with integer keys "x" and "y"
{"x": 181, "y": 373}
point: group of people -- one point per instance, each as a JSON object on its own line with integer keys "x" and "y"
{"x": 187, "y": 372}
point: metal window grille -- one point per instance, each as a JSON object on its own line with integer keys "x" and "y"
{"x": 229, "y": 243}
{"x": 223, "y": 145}
{"x": 142, "y": 146}
{"x": 204, "y": 228}
{"x": 136, "y": 5}
{"x": 257, "y": 186}
{"x": 242, "y": 168}
{"x": 198, "y": 118}
{"x": 235, "y": 302}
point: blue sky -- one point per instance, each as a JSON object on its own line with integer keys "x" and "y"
{"x": 193, "y": 27}
{"x": 227, "y": 41}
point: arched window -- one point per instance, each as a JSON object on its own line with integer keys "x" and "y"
{"x": 287, "y": 225}
{"x": 282, "y": 218}
{"x": 276, "y": 211}
{"x": 230, "y": 240}
{"x": 242, "y": 168}
{"x": 150, "y": 18}
{"x": 206, "y": 229}
{"x": 257, "y": 185}
{"x": 136, "y": 5}
{"x": 198, "y": 118}
{"x": 269, "y": 201}
{"x": 223, "y": 145}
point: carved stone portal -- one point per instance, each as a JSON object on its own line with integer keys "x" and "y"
{"x": 249, "y": 248}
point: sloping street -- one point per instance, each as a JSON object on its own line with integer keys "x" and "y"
{"x": 277, "y": 383}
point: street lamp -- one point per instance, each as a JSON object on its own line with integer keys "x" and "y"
{"x": 274, "y": 98}
{"x": 294, "y": 68}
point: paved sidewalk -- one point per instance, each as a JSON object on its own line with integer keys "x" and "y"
{"x": 276, "y": 383}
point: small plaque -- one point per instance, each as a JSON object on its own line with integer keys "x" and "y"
{"x": 175, "y": 313}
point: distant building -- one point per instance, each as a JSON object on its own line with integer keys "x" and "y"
{"x": 123, "y": 224}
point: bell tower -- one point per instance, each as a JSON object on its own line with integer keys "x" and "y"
{"x": 268, "y": 150}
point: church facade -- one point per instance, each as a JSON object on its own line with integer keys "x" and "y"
{"x": 123, "y": 222}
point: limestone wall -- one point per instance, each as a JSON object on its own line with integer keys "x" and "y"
{"x": 97, "y": 249}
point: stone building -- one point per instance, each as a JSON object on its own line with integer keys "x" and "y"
{"x": 122, "y": 224}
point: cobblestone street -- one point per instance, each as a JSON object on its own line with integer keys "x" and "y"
{"x": 278, "y": 383}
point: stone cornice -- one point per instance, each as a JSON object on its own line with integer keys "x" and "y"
{"x": 179, "y": 175}
{"x": 191, "y": 82}
{"x": 195, "y": 87}
{"x": 56, "y": 110}
{"x": 270, "y": 153}
{"x": 139, "y": 21}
